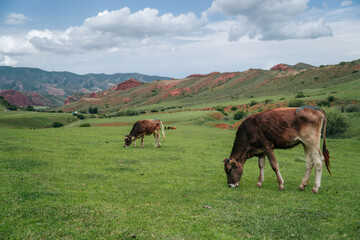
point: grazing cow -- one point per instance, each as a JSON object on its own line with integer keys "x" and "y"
{"x": 145, "y": 127}
{"x": 283, "y": 128}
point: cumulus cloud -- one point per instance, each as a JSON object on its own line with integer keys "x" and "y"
{"x": 7, "y": 61}
{"x": 15, "y": 45}
{"x": 144, "y": 23}
{"x": 119, "y": 29}
{"x": 270, "y": 19}
{"x": 16, "y": 19}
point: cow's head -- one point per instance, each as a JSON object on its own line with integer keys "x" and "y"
{"x": 128, "y": 140}
{"x": 233, "y": 170}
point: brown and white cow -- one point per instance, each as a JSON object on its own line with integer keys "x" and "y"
{"x": 145, "y": 127}
{"x": 283, "y": 128}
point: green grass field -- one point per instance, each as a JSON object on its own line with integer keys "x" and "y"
{"x": 81, "y": 183}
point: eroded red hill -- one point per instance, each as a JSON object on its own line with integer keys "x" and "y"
{"x": 130, "y": 83}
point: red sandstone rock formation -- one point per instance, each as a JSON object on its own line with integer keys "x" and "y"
{"x": 282, "y": 67}
{"x": 16, "y": 98}
{"x": 130, "y": 83}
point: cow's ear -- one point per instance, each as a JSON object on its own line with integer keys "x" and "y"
{"x": 133, "y": 138}
{"x": 233, "y": 162}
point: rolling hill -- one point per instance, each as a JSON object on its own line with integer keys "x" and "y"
{"x": 218, "y": 87}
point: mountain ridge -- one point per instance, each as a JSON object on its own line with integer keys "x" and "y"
{"x": 57, "y": 86}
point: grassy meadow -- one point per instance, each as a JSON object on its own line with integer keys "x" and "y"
{"x": 81, "y": 183}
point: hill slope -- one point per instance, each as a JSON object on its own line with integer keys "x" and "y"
{"x": 220, "y": 87}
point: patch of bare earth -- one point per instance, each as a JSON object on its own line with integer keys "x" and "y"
{"x": 113, "y": 124}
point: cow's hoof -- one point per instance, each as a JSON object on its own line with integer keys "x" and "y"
{"x": 302, "y": 187}
{"x": 259, "y": 184}
{"x": 281, "y": 188}
{"x": 314, "y": 190}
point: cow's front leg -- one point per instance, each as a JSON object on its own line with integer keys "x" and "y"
{"x": 134, "y": 144}
{"x": 275, "y": 166}
{"x": 261, "y": 167}
{"x": 142, "y": 141}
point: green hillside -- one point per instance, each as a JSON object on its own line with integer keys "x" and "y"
{"x": 341, "y": 80}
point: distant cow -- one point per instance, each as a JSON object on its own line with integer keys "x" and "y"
{"x": 283, "y": 128}
{"x": 145, "y": 127}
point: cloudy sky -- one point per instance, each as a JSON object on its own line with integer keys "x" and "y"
{"x": 176, "y": 38}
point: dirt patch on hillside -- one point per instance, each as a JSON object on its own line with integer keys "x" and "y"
{"x": 113, "y": 124}
{"x": 222, "y": 126}
{"x": 217, "y": 115}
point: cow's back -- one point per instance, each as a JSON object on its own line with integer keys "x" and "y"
{"x": 277, "y": 127}
{"x": 144, "y": 127}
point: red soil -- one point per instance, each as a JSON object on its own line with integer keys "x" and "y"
{"x": 16, "y": 98}
{"x": 130, "y": 83}
{"x": 282, "y": 67}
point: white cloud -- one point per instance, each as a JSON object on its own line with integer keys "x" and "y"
{"x": 15, "y": 45}
{"x": 116, "y": 30}
{"x": 144, "y": 23}
{"x": 16, "y": 19}
{"x": 346, "y": 3}
{"x": 270, "y": 19}
{"x": 7, "y": 61}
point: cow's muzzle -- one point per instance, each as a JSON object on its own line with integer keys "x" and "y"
{"x": 232, "y": 185}
{"x": 125, "y": 146}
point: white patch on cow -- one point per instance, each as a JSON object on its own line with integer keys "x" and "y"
{"x": 233, "y": 185}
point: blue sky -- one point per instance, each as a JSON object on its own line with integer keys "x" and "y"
{"x": 176, "y": 38}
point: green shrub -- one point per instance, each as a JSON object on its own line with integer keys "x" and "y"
{"x": 131, "y": 113}
{"x": 93, "y": 110}
{"x": 337, "y": 124}
{"x": 57, "y": 124}
{"x": 331, "y": 98}
{"x": 324, "y": 103}
{"x": 234, "y": 108}
{"x": 80, "y": 116}
{"x": 8, "y": 105}
{"x": 154, "y": 111}
{"x": 299, "y": 95}
{"x": 85, "y": 125}
{"x": 296, "y": 103}
{"x": 220, "y": 109}
{"x": 29, "y": 108}
{"x": 239, "y": 115}
{"x": 351, "y": 108}
{"x": 252, "y": 103}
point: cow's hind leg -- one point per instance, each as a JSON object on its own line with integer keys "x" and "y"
{"x": 157, "y": 139}
{"x": 261, "y": 167}
{"x": 275, "y": 166}
{"x": 309, "y": 167}
{"x": 317, "y": 159}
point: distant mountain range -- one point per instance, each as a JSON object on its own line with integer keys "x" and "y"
{"x": 57, "y": 86}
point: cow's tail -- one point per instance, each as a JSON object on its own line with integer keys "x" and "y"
{"x": 325, "y": 151}
{"x": 162, "y": 129}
